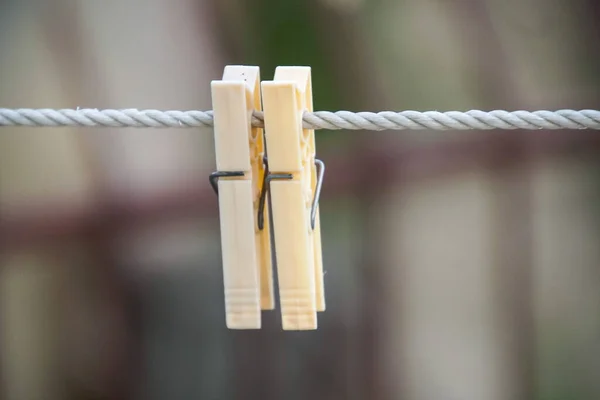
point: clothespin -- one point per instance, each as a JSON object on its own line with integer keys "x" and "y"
{"x": 239, "y": 183}
{"x": 294, "y": 182}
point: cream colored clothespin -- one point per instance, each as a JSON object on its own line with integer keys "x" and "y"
{"x": 294, "y": 183}
{"x": 239, "y": 182}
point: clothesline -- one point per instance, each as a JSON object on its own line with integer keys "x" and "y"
{"x": 377, "y": 121}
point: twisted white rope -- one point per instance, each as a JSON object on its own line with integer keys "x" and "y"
{"x": 450, "y": 120}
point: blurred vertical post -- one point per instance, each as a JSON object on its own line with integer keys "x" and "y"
{"x": 72, "y": 191}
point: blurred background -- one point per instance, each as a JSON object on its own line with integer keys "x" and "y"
{"x": 459, "y": 265}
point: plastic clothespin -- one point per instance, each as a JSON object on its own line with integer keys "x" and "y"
{"x": 239, "y": 183}
{"x": 294, "y": 181}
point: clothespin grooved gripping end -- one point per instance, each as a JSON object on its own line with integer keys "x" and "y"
{"x": 297, "y": 238}
{"x": 239, "y": 148}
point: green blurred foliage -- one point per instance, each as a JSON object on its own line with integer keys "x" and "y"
{"x": 283, "y": 33}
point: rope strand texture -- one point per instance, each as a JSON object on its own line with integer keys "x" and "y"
{"x": 434, "y": 120}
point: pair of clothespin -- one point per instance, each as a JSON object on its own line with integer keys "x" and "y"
{"x": 244, "y": 180}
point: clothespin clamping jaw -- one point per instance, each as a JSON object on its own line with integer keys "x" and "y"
{"x": 239, "y": 183}
{"x": 294, "y": 182}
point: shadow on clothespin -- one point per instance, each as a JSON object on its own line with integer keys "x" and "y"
{"x": 239, "y": 183}
{"x": 294, "y": 181}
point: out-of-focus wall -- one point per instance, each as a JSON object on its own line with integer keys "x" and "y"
{"x": 60, "y": 335}
{"x": 473, "y": 261}
{"x": 566, "y": 260}
{"x": 459, "y": 265}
